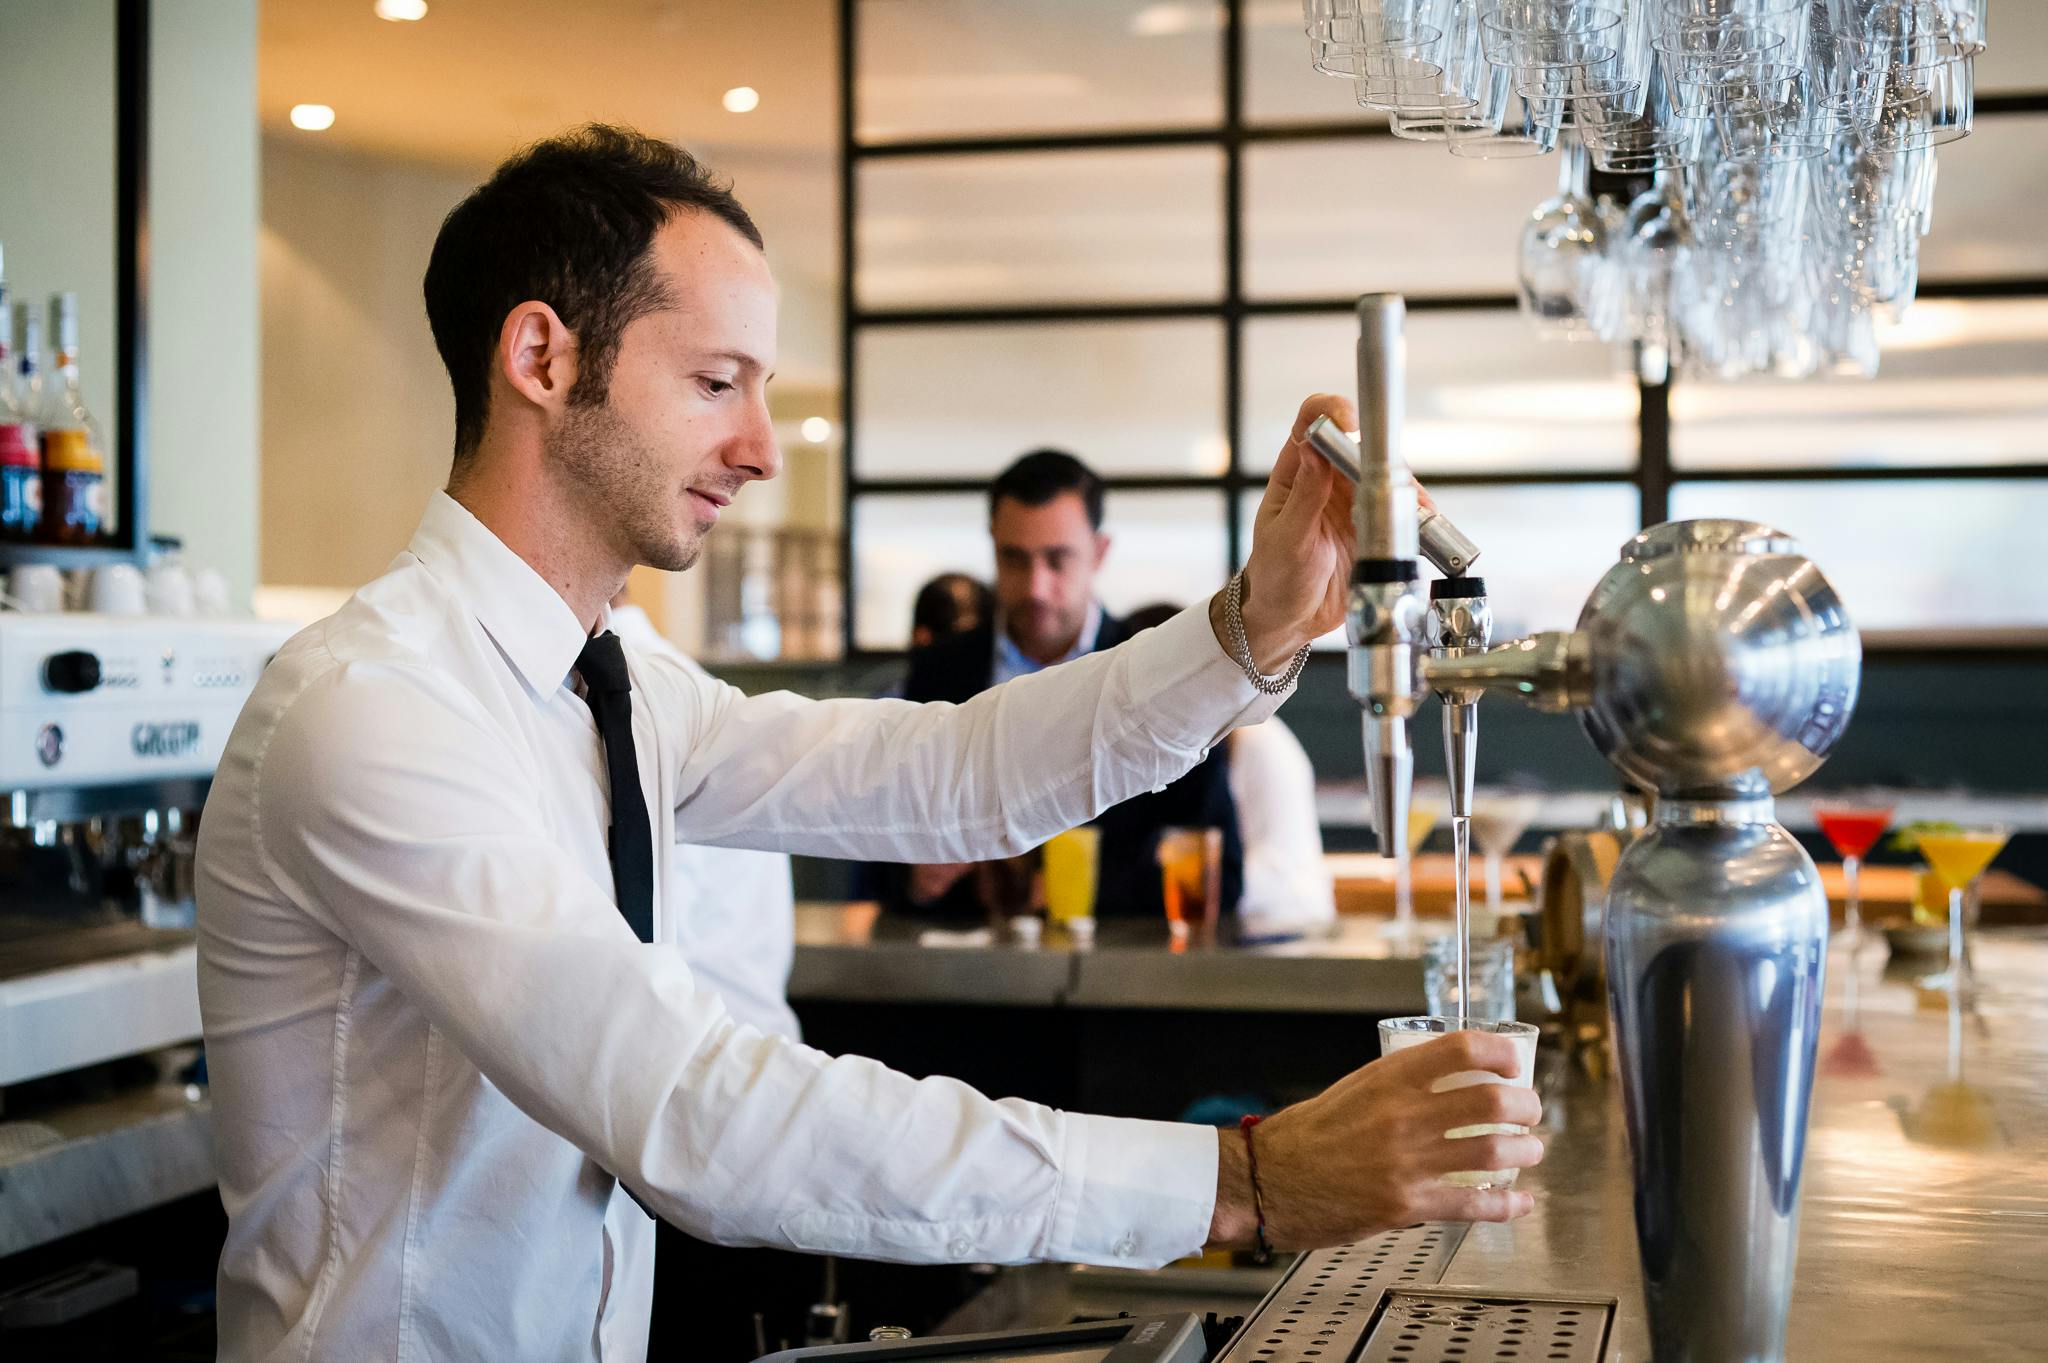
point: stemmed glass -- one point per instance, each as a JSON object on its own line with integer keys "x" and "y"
{"x": 1565, "y": 275}
{"x": 1960, "y": 857}
{"x": 1498, "y": 822}
{"x": 1853, "y": 829}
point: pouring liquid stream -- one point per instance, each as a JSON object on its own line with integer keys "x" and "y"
{"x": 1461, "y": 880}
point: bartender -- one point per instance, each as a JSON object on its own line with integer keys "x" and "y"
{"x": 453, "y": 1071}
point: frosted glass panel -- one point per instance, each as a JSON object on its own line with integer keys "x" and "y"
{"x": 963, "y": 401}
{"x": 1961, "y": 383}
{"x": 1911, "y": 554}
{"x": 952, "y": 68}
{"x": 1485, "y": 394}
{"x": 1028, "y": 228}
{"x": 1330, "y": 219}
{"x": 1989, "y": 202}
{"x": 1164, "y": 546}
{"x": 1537, "y": 575}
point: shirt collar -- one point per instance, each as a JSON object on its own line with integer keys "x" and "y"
{"x": 1012, "y": 662}
{"x": 527, "y": 618}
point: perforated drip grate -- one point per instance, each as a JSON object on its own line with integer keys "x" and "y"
{"x": 1458, "y": 1326}
{"x": 1320, "y": 1310}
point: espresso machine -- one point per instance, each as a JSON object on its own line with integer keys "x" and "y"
{"x": 110, "y": 729}
{"x": 1714, "y": 665}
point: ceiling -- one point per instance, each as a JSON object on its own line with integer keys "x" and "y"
{"x": 477, "y": 78}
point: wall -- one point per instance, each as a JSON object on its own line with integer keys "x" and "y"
{"x": 357, "y": 418}
{"x": 203, "y": 355}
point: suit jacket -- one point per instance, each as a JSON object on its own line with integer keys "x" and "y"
{"x": 1127, "y": 881}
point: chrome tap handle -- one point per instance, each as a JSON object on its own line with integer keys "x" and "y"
{"x": 1442, "y": 543}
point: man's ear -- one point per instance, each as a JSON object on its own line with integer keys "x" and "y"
{"x": 537, "y": 356}
{"x": 1101, "y": 548}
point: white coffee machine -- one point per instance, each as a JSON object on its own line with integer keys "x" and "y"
{"x": 110, "y": 729}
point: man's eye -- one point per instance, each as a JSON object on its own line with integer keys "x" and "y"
{"x": 716, "y": 388}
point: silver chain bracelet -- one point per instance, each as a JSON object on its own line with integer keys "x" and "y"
{"x": 1241, "y": 647}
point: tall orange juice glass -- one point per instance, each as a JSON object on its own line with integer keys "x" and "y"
{"x": 1191, "y": 880}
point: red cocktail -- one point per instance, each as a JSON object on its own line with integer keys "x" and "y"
{"x": 1854, "y": 830}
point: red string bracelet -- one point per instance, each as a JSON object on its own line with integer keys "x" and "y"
{"x": 1251, "y": 1155}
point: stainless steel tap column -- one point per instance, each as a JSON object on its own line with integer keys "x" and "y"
{"x": 1385, "y": 617}
{"x": 1715, "y": 665}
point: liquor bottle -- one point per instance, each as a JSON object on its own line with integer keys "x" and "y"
{"x": 74, "y": 469}
{"x": 21, "y": 397}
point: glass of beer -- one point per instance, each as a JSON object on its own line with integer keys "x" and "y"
{"x": 1191, "y": 881}
{"x": 1398, "y": 1034}
{"x": 1069, "y": 863}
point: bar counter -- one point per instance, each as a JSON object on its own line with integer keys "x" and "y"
{"x": 1924, "y": 1230}
{"x": 851, "y": 953}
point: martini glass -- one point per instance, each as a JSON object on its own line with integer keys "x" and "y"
{"x": 1498, "y": 823}
{"x": 1960, "y": 857}
{"x": 1853, "y": 829}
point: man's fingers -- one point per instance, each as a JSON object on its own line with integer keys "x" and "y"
{"x": 1480, "y": 1152}
{"x": 1332, "y": 405}
{"x": 1445, "y": 1203}
{"x": 1456, "y": 1053}
{"x": 1482, "y": 1104}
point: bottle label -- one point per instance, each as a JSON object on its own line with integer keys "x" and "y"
{"x": 81, "y": 501}
{"x": 21, "y": 500}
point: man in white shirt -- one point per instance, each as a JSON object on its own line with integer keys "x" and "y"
{"x": 449, "y": 1065}
{"x": 736, "y": 909}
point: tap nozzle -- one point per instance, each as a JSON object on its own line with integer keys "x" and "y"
{"x": 1460, "y": 622}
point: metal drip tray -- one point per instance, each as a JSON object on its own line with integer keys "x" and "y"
{"x": 1319, "y": 1313}
{"x": 1452, "y": 1325}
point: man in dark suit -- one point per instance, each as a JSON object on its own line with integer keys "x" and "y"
{"x": 1045, "y": 516}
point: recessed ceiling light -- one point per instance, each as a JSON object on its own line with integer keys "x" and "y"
{"x": 816, "y": 429}
{"x": 400, "y": 11}
{"x": 742, "y": 99}
{"x": 313, "y": 118}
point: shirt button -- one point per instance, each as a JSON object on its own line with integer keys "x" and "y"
{"x": 1126, "y": 1247}
{"x": 959, "y": 1246}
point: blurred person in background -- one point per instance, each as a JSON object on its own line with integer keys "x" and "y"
{"x": 1045, "y": 517}
{"x": 1287, "y": 886}
{"x": 949, "y": 604}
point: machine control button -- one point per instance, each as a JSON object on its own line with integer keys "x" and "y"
{"x": 73, "y": 672}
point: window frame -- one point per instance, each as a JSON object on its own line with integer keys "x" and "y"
{"x": 1653, "y": 474}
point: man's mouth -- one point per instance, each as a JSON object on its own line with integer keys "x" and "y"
{"x": 709, "y": 504}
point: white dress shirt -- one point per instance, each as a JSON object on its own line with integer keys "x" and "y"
{"x": 735, "y": 919}
{"x": 435, "y": 1044}
{"x": 1287, "y": 884}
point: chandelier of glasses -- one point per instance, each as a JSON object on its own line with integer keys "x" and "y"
{"x": 1789, "y": 147}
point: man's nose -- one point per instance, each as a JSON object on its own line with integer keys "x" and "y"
{"x": 1044, "y": 582}
{"x": 755, "y": 452}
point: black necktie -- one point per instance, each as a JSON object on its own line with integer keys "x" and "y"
{"x": 602, "y": 665}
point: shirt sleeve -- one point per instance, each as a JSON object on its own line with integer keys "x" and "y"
{"x": 893, "y": 781}
{"x": 387, "y": 810}
{"x": 1287, "y": 885}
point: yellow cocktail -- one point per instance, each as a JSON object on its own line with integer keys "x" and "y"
{"x": 1959, "y": 857}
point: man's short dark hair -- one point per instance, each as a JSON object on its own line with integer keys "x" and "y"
{"x": 566, "y": 222}
{"x": 1042, "y": 475}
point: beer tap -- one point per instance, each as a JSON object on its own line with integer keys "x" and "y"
{"x": 1714, "y": 665}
